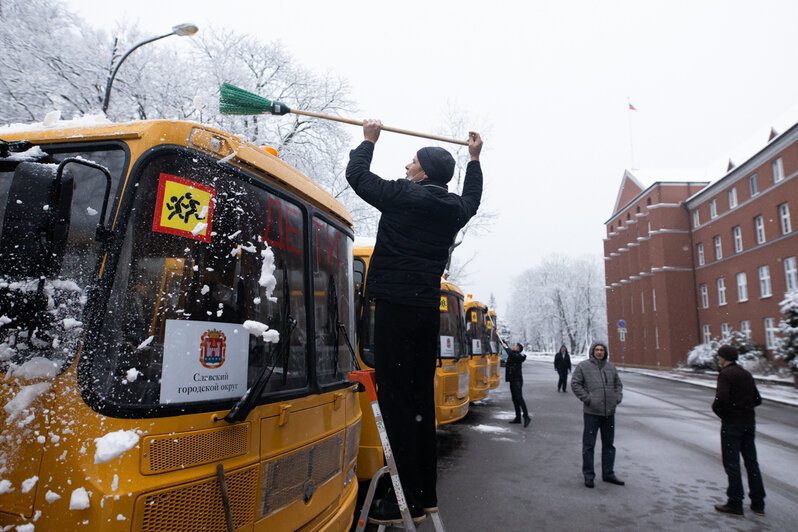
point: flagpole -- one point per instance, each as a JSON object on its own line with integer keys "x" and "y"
{"x": 631, "y": 141}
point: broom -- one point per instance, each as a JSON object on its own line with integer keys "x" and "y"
{"x": 236, "y": 101}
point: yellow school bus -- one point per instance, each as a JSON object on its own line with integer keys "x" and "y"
{"x": 451, "y": 375}
{"x": 479, "y": 379}
{"x": 492, "y": 345}
{"x": 175, "y": 303}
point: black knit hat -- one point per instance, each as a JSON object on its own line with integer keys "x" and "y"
{"x": 437, "y": 163}
{"x": 728, "y": 352}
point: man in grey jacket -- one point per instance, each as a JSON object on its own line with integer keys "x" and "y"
{"x": 595, "y": 382}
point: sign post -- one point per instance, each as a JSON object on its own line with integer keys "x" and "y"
{"x": 622, "y": 334}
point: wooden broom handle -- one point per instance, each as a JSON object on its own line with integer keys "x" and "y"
{"x": 384, "y": 128}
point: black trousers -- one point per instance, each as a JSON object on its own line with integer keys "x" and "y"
{"x": 516, "y": 386}
{"x": 736, "y": 440}
{"x": 405, "y": 351}
{"x": 594, "y": 424}
{"x": 563, "y": 383}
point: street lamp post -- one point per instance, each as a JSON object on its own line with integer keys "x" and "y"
{"x": 181, "y": 30}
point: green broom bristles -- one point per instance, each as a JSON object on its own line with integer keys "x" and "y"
{"x": 237, "y": 101}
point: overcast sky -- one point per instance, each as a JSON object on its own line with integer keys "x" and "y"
{"x": 547, "y": 82}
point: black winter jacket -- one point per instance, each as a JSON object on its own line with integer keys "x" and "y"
{"x": 512, "y": 370}
{"x": 418, "y": 225}
{"x": 562, "y": 362}
{"x": 736, "y": 396}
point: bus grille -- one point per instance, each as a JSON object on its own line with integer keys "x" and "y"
{"x": 296, "y": 476}
{"x": 198, "y": 506}
{"x": 169, "y": 453}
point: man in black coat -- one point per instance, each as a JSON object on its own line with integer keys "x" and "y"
{"x": 735, "y": 400}
{"x": 513, "y": 375}
{"x": 562, "y": 365}
{"x": 419, "y": 221}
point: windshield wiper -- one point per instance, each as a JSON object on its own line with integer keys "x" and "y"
{"x": 244, "y": 406}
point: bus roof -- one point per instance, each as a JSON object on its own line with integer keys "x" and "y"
{"x": 469, "y": 302}
{"x": 213, "y": 141}
{"x": 451, "y": 287}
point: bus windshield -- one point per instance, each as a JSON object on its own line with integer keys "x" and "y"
{"x": 452, "y": 340}
{"x": 42, "y": 316}
{"x": 475, "y": 331}
{"x": 208, "y": 291}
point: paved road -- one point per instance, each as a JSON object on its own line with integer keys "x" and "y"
{"x": 494, "y": 476}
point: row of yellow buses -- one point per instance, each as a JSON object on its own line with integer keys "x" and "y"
{"x": 177, "y": 310}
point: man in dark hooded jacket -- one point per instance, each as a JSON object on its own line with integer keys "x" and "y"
{"x": 513, "y": 375}
{"x": 596, "y": 383}
{"x": 419, "y": 221}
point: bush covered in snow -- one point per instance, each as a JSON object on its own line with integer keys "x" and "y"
{"x": 704, "y": 356}
{"x": 787, "y": 350}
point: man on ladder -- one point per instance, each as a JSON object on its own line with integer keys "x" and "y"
{"x": 419, "y": 221}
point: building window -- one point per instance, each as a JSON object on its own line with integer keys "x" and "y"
{"x": 759, "y": 226}
{"x": 718, "y": 247}
{"x": 764, "y": 281}
{"x": 700, "y": 251}
{"x": 707, "y": 334}
{"x": 704, "y": 296}
{"x": 648, "y": 228}
{"x": 778, "y": 170}
{"x": 642, "y": 302}
{"x": 790, "y": 274}
{"x": 738, "y": 238}
{"x": 784, "y": 218}
{"x": 656, "y": 337}
{"x": 611, "y": 228}
{"x": 628, "y": 216}
{"x": 742, "y": 287}
{"x": 732, "y": 197}
{"x": 696, "y": 218}
{"x": 654, "y": 293}
{"x": 721, "y": 291}
{"x": 713, "y": 209}
{"x": 770, "y": 333}
{"x": 725, "y": 331}
{"x": 638, "y": 209}
{"x": 648, "y": 201}
{"x": 753, "y": 185}
{"x": 745, "y": 328}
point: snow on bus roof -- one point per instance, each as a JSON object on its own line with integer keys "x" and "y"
{"x": 52, "y": 120}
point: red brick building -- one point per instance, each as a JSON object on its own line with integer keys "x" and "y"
{"x": 687, "y": 261}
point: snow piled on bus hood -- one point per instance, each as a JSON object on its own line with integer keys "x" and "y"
{"x": 114, "y": 444}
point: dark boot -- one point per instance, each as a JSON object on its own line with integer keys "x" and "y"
{"x": 516, "y": 420}
{"x": 758, "y": 507}
{"x": 526, "y": 421}
{"x": 386, "y": 512}
{"x": 730, "y": 509}
{"x": 612, "y": 479}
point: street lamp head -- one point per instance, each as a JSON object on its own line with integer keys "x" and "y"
{"x": 184, "y": 30}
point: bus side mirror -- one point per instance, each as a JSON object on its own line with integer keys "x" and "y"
{"x": 36, "y": 221}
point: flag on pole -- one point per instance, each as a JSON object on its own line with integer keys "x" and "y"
{"x": 632, "y": 107}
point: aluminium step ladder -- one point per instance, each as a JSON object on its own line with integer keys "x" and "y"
{"x": 367, "y": 379}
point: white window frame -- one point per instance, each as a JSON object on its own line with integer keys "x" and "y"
{"x": 704, "y": 295}
{"x": 790, "y": 274}
{"x": 732, "y": 197}
{"x": 753, "y": 185}
{"x": 778, "y": 170}
{"x": 642, "y": 302}
{"x": 737, "y": 232}
{"x": 721, "y": 291}
{"x": 742, "y": 287}
{"x": 784, "y": 218}
{"x": 707, "y": 333}
{"x": 759, "y": 226}
{"x": 654, "y": 299}
{"x": 745, "y": 328}
{"x": 765, "y": 288}
{"x": 700, "y": 251}
{"x": 725, "y": 330}
{"x": 718, "y": 247}
{"x": 770, "y": 333}
{"x": 656, "y": 337}
{"x": 713, "y": 209}
{"x": 696, "y": 218}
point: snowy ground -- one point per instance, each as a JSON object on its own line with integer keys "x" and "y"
{"x": 774, "y": 389}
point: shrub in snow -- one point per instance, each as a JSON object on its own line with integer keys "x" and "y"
{"x": 787, "y": 349}
{"x": 704, "y": 356}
